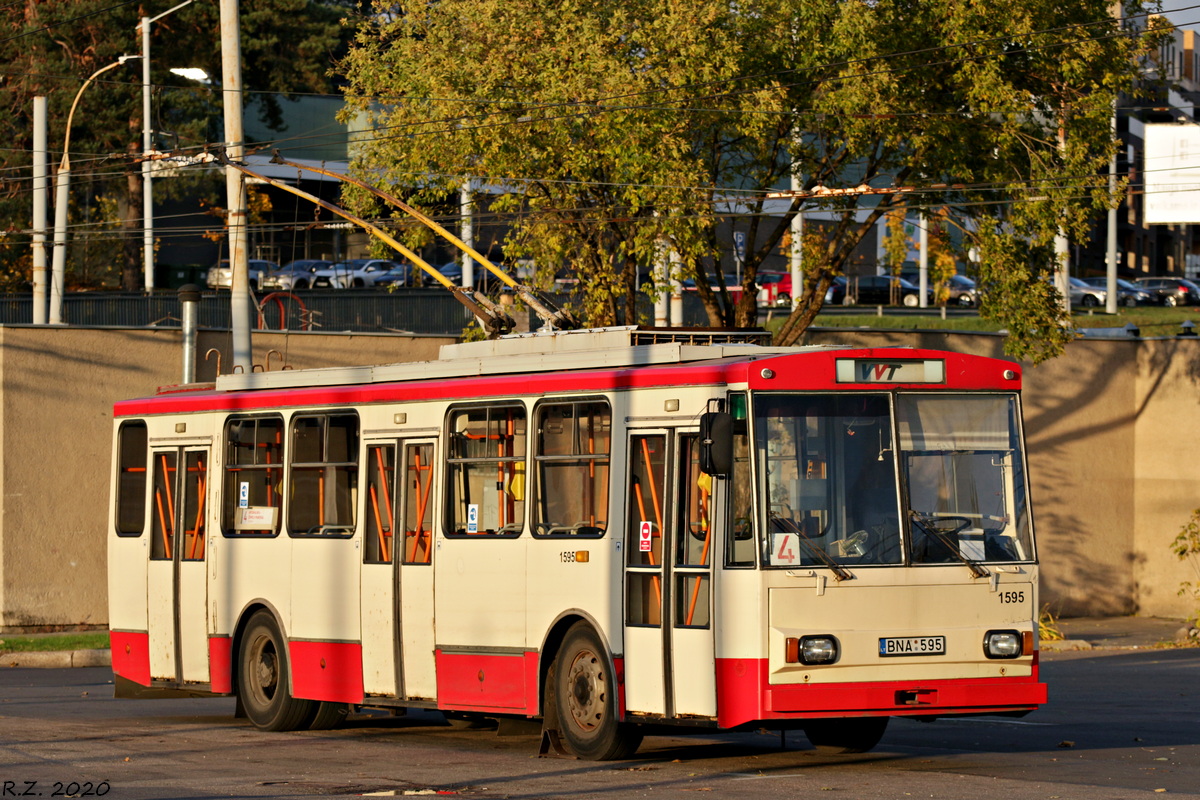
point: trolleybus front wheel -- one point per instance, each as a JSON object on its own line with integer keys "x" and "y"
{"x": 263, "y": 679}
{"x": 842, "y": 736}
{"x": 586, "y": 696}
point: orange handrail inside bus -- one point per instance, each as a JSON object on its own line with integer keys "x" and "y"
{"x": 196, "y": 534}
{"x": 655, "y": 579}
{"x": 384, "y": 556}
{"x": 384, "y": 528}
{"x": 419, "y": 535}
{"x": 162, "y": 522}
{"x": 704, "y": 522}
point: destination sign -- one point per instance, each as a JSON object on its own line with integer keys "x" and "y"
{"x": 890, "y": 370}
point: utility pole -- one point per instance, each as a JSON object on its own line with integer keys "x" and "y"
{"x": 235, "y": 187}
{"x": 466, "y": 206}
{"x": 41, "y": 185}
{"x": 796, "y": 251}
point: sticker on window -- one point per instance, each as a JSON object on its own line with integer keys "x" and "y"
{"x": 645, "y": 537}
{"x": 785, "y": 549}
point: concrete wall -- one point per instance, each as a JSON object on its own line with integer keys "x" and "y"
{"x": 1112, "y": 428}
{"x": 57, "y": 389}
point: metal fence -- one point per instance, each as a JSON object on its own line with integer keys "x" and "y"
{"x": 423, "y": 310}
{"x": 431, "y": 311}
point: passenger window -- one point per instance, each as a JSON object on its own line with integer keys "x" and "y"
{"x": 381, "y": 483}
{"x": 486, "y": 492}
{"x": 131, "y": 479}
{"x": 739, "y": 530}
{"x": 323, "y": 475}
{"x": 253, "y": 491}
{"x": 572, "y": 461}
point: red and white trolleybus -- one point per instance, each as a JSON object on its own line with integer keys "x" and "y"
{"x": 606, "y": 529}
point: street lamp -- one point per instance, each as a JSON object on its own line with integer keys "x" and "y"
{"x": 61, "y": 187}
{"x": 148, "y": 148}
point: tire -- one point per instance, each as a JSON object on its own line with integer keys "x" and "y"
{"x": 357, "y": 283}
{"x": 301, "y": 285}
{"x": 327, "y": 716}
{"x": 263, "y": 679}
{"x": 911, "y": 300}
{"x": 1169, "y": 301}
{"x": 844, "y": 736}
{"x": 1129, "y": 302}
{"x": 783, "y": 299}
{"x": 1090, "y": 301}
{"x": 586, "y": 698}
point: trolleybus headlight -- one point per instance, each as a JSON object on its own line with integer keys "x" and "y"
{"x": 1002, "y": 644}
{"x": 812, "y": 650}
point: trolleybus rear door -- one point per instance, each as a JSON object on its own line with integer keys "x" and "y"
{"x": 397, "y": 581}
{"x": 177, "y": 575}
{"x": 669, "y": 665}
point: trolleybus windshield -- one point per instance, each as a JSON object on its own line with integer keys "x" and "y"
{"x": 963, "y": 468}
{"x": 831, "y": 493}
{"x": 828, "y": 473}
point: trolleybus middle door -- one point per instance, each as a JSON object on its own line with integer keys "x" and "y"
{"x": 177, "y": 593}
{"x": 669, "y": 659}
{"x": 397, "y": 579}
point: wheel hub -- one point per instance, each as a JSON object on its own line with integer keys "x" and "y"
{"x": 586, "y": 698}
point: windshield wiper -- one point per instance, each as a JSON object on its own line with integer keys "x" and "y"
{"x": 929, "y": 525}
{"x": 789, "y": 526}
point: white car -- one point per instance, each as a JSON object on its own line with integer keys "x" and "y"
{"x": 355, "y": 273}
{"x": 295, "y": 275}
{"x": 221, "y": 276}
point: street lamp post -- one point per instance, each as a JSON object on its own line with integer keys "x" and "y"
{"x": 62, "y": 187}
{"x": 148, "y": 147}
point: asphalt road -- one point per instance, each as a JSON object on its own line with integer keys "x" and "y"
{"x": 1120, "y": 724}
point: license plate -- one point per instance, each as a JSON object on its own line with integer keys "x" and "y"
{"x": 913, "y": 646}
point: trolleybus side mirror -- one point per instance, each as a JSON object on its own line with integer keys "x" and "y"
{"x": 716, "y": 443}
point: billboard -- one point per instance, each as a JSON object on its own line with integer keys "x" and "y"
{"x": 1172, "y": 174}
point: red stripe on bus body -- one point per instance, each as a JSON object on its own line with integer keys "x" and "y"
{"x": 488, "y": 681}
{"x": 445, "y": 389}
{"x": 131, "y": 655}
{"x": 220, "y": 664}
{"x": 330, "y": 671}
{"x": 808, "y": 371}
{"x": 744, "y": 695}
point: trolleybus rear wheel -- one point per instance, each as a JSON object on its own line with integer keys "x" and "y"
{"x": 263, "y": 679}
{"x": 586, "y": 695}
{"x": 841, "y": 736}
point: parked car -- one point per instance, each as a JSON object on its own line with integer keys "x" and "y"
{"x": 1086, "y": 295}
{"x": 1171, "y": 291}
{"x": 873, "y": 290}
{"x": 221, "y": 275}
{"x": 1127, "y": 293}
{"x": 774, "y": 288}
{"x": 295, "y": 274}
{"x": 354, "y": 273}
{"x": 962, "y": 290}
{"x": 401, "y": 275}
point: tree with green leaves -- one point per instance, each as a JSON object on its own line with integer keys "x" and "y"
{"x": 51, "y": 46}
{"x": 609, "y": 131}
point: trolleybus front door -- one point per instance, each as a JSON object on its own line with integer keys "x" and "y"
{"x": 397, "y": 579}
{"x": 177, "y": 587}
{"x": 669, "y": 663}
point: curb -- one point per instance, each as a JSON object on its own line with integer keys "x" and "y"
{"x": 1063, "y": 645}
{"x": 57, "y": 659}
